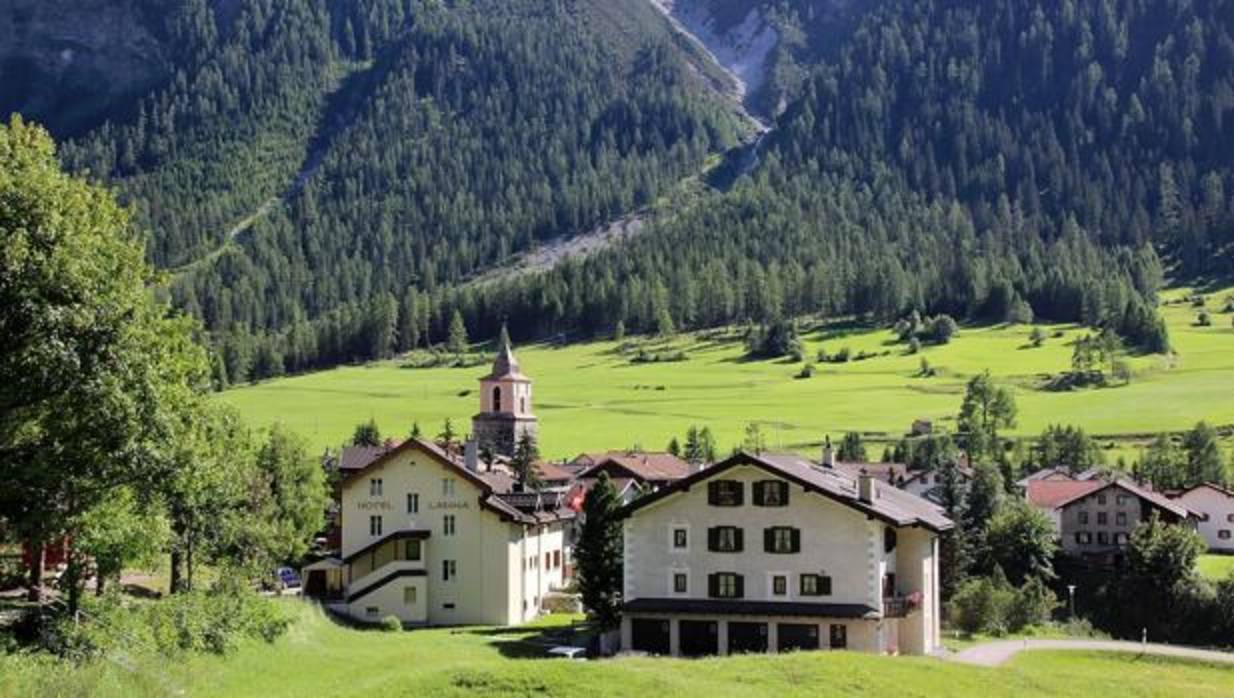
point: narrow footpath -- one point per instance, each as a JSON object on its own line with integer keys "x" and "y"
{"x": 997, "y": 653}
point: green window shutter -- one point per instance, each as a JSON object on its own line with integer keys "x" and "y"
{"x": 824, "y": 585}
{"x": 741, "y": 491}
{"x": 713, "y": 493}
{"x": 783, "y": 493}
{"x": 796, "y": 536}
{"x": 740, "y": 586}
{"x": 713, "y": 539}
{"x": 713, "y": 585}
{"x": 737, "y": 538}
{"x": 769, "y": 540}
{"x": 758, "y": 493}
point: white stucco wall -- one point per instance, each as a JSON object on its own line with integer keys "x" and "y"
{"x": 1218, "y": 507}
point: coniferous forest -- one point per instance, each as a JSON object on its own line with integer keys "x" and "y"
{"x": 330, "y": 181}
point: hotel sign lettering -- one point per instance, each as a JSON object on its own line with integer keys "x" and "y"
{"x": 449, "y": 505}
{"x": 374, "y": 506}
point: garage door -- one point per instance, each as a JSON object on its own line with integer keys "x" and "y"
{"x": 650, "y": 636}
{"x": 699, "y": 638}
{"x": 747, "y": 638}
{"x": 793, "y": 637}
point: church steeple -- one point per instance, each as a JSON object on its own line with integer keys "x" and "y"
{"x": 505, "y": 403}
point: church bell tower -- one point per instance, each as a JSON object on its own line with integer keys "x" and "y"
{"x": 505, "y": 404}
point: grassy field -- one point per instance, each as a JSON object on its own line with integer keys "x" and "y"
{"x": 591, "y": 396}
{"x": 1216, "y": 567}
{"x": 319, "y": 658}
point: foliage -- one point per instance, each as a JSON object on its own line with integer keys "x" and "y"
{"x": 1067, "y": 446}
{"x": 523, "y": 463}
{"x": 992, "y": 605}
{"x": 986, "y": 409}
{"x": 1020, "y": 540}
{"x": 391, "y": 624}
{"x": 599, "y": 554}
{"x": 780, "y": 338}
{"x": 852, "y": 450}
{"x": 366, "y": 434}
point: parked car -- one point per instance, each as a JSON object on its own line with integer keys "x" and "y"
{"x": 286, "y": 579}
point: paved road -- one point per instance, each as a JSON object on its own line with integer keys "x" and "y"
{"x": 996, "y": 653}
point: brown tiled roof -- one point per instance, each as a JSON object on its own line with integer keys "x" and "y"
{"x": 1051, "y": 494}
{"x": 1209, "y": 485}
{"x": 890, "y": 504}
{"x": 357, "y": 457}
{"x": 552, "y": 472}
{"x": 887, "y": 472}
{"x": 658, "y": 467}
{"x": 1056, "y": 474}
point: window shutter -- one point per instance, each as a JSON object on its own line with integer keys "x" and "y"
{"x": 713, "y": 585}
{"x": 713, "y": 493}
{"x": 737, "y": 538}
{"x": 741, "y": 491}
{"x": 759, "y": 489}
{"x": 769, "y": 540}
{"x": 796, "y": 540}
{"x": 825, "y": 585}
{"x": 739, "y": 586}
{"x": 713, "y": 539}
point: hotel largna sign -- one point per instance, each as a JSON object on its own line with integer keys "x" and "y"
{"x": 373, "y": 505}
{"x": 449, "y": 505}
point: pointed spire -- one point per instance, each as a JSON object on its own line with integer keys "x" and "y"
{"x": 505, "y": 365}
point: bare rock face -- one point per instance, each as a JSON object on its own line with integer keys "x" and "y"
{"x": 64, "y": 63}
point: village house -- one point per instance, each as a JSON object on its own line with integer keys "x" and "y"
{"x": 633, "y": 473}
{"x": 1094, "y": 518}
{"x": 922, "y": 483}
{"x": 434, "y": 539}
{"x": 1213, "y": 507}
{"x": 772, "y": 553}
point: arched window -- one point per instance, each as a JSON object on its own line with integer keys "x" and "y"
{"x": 497, "y": 398}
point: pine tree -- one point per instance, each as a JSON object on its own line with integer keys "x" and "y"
{"x": 523, "y": 463}
{"x": 366, "y": 434}
{"x": 599, "y": 554}
{"x": 457, "y": 341}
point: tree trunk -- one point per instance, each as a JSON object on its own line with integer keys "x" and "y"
{"x": 177, "y": 562}
{"x": 100, "y": 580}
{"x": 188, "y": 566}
{"x": 35, "y": 589}
{"x": 74, "y": 575}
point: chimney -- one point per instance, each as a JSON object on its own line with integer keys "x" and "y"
{"x": 471, "y": 455}
{"x": 865, "y": 487}
{"x": 829, "y": 455}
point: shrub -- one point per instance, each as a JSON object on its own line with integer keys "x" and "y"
{"x": 1033, "y": 604}
{"x": 806, "y": 371}
{"x": 821, "y": 357}
{"x": 942, "y": 329}
{"x": 914, "y": 345}
{"x": 842, "y": 356}
{"x": 1036, "y": 337}
{"x": 391, "y": 624}
{"x": 981, "y": 605}
{"x": 1203, "y": 319}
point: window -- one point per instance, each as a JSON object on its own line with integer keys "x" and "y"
{"x": 556, "y": 559}
{"x": 1229, "y": 518}
{"x": 1120, "y": 518}
{"x": 771, "y": 493}
{"x": 1223, "y": 534}
{"x": 1101, "y": 499}
{"x": 779, "y": 585}
{"x": 726, "y": 585}
{"x": 889, "y": 539}
{"x": 1084, "y": 518}
{"x": 447, "y": 525}
{"x": 374, "y": 487}
{"x": 1204, "y": 516}
{"x": 681, "y": 539}
{"x": 1102, "y": 518}
{"x": 724, "y": 539}
{"x": 413, "y": 503}
{"x": 1103, "y": 538}
{"x": 839, "y": 637}
{"x": 724, "y": 493}
{"x": 1120, "y": 500}
{"x": 409, "y": 596}
{"x": 447, "y": 487}
{"x": 681, "y": 582}
{"x": 548, "y": 561}
{"x": 449, "y": 570}
{"x": 371, "y": 611}
{"x": 413, "y": 550}
{"x": 1120, "y": 538}
{"x": 1083, "y": 537}
{"x": 815, "y": 585}
{"x": 497, "y": 399}
{"x": 374, "y": 525}
{"x": 781, "y": 540}
{"x": 522, "y": 404}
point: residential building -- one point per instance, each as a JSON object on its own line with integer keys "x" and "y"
{"x": 773, "y": 552}
{"x": 633, "y": 473}
{"x": 1095, "y": 518}
{"x": 1213, "y": 507}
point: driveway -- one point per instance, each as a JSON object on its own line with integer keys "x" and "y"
{"x": 996, "y": 653}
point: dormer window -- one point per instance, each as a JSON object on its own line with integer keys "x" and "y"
{"x": 724, "y": 493}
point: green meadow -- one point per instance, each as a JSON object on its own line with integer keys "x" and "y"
{"x": 319, "y": 658}
{"x": 593, "y": 396}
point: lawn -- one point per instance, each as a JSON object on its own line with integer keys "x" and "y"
{"x": 319, "y": 658}
{"x": 591, "y": 396}
{"x": 1216, "y": 567}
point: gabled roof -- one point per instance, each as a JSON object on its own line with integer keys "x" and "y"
{"x": 887, "y": 472}
{"x": 1056, "y": 474}
{"x": 1052, "y": 494}
{"x": 891, "y": 505}
{"x": 491, "y": 484}
{"x": 648, "y": 466}
{"x": 1204, "y": 485}
{"x": 553, "y": 472}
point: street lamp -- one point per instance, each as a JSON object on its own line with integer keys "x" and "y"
{"x": 1071, "y": 595}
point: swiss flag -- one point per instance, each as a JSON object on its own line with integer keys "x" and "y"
{"x": 575, "y": 502}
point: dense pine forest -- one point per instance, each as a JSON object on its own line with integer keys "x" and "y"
{"x": 328, "y": 181}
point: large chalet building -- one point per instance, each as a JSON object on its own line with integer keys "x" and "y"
{"x": 771, "y": 553}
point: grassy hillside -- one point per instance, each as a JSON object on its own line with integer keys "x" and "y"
{"x": 319, "y": 658}
{"x": 592, "y": 396}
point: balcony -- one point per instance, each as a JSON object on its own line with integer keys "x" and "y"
{"x": 901, "y": 606}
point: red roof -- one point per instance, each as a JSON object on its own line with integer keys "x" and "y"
{"x": 655, "y": 467}
{"x": 553, "y": 472}
{"x": 1052, "y": 494}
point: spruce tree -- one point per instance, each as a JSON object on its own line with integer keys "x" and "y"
{"x": 599, "y": 554}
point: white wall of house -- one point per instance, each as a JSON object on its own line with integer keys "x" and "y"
{"x": 489, "y": 585}
{"x": 1216, "y": 511}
